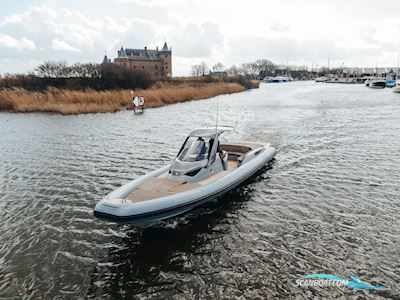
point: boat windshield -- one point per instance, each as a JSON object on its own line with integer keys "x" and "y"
{"x": 195, "y": 150}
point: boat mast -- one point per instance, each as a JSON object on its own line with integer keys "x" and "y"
{"x": 312, "y": 69}
{"x": 287, "y": 68}
{"x": 216, "y": 121}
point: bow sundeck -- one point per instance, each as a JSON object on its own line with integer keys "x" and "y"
{"x": 203, "y": 169}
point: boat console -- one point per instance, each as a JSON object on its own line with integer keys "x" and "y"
{"x": 200, "y": 156}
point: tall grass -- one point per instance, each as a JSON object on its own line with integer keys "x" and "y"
{"x": 90, "y": 101}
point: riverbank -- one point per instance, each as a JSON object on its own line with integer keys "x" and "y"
{"x": 338, "y": 163}
{"x": 90, "y": 101}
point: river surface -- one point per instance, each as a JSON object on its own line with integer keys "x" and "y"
{"x": 328, "y": 204}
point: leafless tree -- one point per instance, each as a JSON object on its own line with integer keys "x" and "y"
{"x": 248, "y": 70}
{"x": 200, "y": 70}
{"x": 52, "y": 69}
{"x": 265, "y": 67}
{"x": 204, "y": 68}
{"x": 62, "y": 70}
{"x": 195, "y": 72}
{"x": 233, "y": 71}
{"x": 218, "y": 67}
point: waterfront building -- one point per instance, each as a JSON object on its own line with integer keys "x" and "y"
{"x": 219, "y": 74}
{"x": 157, "y": 63}
{"x": 364, "y": 72}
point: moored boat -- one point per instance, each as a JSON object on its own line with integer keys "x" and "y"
{"x": 203, "y": 169}
{"x": 390, "y": 83}
{"x": 396, "y": 88}
{"x": 343, "y": 80}
{"x": 321, "y": 79}
{"x": 267, "y": 79}
{"x": 377, "y": 84}
{"x": 278, "y": 79}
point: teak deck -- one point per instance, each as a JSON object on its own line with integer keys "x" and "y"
{"x": 161, "y": 186}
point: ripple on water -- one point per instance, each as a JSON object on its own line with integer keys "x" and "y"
{"x": 328, "y": 204}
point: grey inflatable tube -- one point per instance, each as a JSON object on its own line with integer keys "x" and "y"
{"x": 114, "y": 205}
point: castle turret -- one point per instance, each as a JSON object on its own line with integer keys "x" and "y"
{"x": 166, "y": 57}
{"x": 165, "y": 47}
{"x": 106, "y": 60}
{"x": 122, "y": 53}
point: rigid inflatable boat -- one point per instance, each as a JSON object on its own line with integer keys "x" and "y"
{"x": 203, "y": 169}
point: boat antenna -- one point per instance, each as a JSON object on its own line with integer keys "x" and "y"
{"x": 216, "y": 122}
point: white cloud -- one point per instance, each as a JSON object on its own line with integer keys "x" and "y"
{"x": 279, "y": 27}
{"x": 144, "y": 2}
{"x": 61, "y": 45}
{"x": 31, "y": 16}
{"x": 19, "y": 44}
{"x": 283, "y": 50}
{"x": 298, "y": 31}
{"x": 197, "y": 41}
{"x": 283, "y": 47}
{"x": 79, "y": 37}
{"x": 154, "y": 3}
{"x": 18, "y": 66}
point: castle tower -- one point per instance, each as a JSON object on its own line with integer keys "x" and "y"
{"x": 166, "y": 58}
{"x": 106, "y": 60}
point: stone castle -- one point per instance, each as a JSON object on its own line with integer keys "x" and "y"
{"x": 156, "y": 63}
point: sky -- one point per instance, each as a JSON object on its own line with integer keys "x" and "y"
{"x": 358, "y": 33}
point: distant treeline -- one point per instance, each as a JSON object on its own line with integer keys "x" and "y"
{"x": 261, "y": 68}
{"x": 79, "y": 77}
{"x": 102, "y": 77}
{"x": 246, "y": 82}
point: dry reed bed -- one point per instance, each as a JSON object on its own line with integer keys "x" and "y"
{"x": 90, "y": 101}
{"x": 255, "y": 84}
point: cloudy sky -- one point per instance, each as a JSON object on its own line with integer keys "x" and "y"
{"x": 304, "y": 32}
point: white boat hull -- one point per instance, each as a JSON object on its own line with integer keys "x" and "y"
{"x": 321, "y": 79}
{"x": 396, "y": 89}
{"x": 377, "y": 84}
{"x": 115, "y": 207}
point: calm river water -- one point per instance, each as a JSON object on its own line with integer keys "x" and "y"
{"x": 328, "y": 204}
